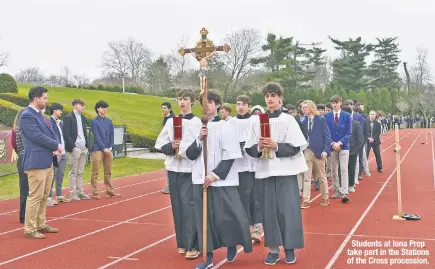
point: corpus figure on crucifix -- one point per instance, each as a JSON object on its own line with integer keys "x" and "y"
{"x": 203, "y": 61}
{"x": 203, "y": 52}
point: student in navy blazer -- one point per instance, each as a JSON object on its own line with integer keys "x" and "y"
{"x": 102, "y": 150}
{"x": 316, "y": 131}
{"x": 40, "y": 145}
{"x": 340, "y": 126}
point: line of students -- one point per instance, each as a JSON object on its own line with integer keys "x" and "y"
{"x": 246, "y": 193}
{"x": 346, "y": 137}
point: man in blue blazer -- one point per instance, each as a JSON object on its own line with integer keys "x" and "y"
{"x": 40, "y": 145}
{"x": 103, "y": 133}
{"x": 340, "y": 126}
{"x": 365, "y": 129}
{"x": 316, "y": 131}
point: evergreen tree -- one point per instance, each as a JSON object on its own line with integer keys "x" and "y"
{"x": 327, "y": 95}
{"x": 362, "y": 97}
{"x": 370, "y": 103}
{"x": 352, "y": 95}
{"x": 343, "y": 94}
{"x": 158, "y": 75}
{"x": 293, "y": 67}
{"x": 383, "y": 70}
{"x": 386, "y": 101}
{"x": 350, "y": 69}
{"x": 377, "y": 99}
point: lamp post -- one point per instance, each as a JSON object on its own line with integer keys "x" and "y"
{"x": 123, "y": 81}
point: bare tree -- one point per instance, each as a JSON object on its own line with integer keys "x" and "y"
{"x": 137, "y": 57}
{"x": 425, "y": 101}
{"x": 323, "y": 74}
{"x": 80, "y": 81}
{"x": 3, "y": 59}
{"x": 114, "y": 60}
{"x": 402, "y": 105}
{"x": 178, "y": 64}
{"x": 126, "y": 56}
{"x": 30, "y": 75}
{"x": 420, "y": 72}
{"x": 245, "y": 45}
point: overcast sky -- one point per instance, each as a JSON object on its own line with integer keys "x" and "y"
{"x": 53, "y": 33}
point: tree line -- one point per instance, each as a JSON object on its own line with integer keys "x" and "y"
{"x": 363, "y": 71}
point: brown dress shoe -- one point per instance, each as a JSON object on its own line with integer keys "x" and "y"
{"x": 48, "y": 229}
{"x": 324, "y": 202}
{"x": 34, "y": 235}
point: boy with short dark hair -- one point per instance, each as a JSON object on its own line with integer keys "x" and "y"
{"x": 278, "y": 185}
{"x": 248, "y": 188}
{"x": 59, "y": 170}
{"x": 102, "y": 150}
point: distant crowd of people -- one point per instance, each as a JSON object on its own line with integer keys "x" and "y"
{"x": 44, "y": 147}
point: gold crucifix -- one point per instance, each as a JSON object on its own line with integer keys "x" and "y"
{"x": 204, "y": 50}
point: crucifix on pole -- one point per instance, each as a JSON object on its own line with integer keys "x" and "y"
{"x": 204, "y": 50}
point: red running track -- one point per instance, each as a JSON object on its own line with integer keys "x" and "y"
{"x": 136, "y": 230}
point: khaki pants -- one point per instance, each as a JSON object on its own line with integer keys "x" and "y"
{"x": 77, "y": 165}
{"x": 328, "y": 168}
{"x": 341, "y": 156}
{"x": 318, "y": 166}
{"x": 97, "y": 157}
{"x": 300, "y": 178}
{"x": 39, "y": 186}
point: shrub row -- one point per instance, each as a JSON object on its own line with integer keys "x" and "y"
{"x": 8, "y": 83}
{"x": 8, "y": 111}
{"x": 11, "y": 103}
{"x": 106, "y": 88}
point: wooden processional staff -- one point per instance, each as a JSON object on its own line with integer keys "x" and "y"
{"x": 203, "y": 51}
{"x": 400, "y": 215}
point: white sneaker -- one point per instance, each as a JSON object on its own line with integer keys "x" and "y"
{"x": 50, "y": 203}
{"x": 352, "y": 189}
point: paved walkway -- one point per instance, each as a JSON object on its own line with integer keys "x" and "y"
{"x": 150, "y": 155}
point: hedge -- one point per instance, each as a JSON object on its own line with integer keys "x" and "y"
{"x": 8, "y": 111}
{"x": 8, "y": 84}
{"x": 137, "y": 138}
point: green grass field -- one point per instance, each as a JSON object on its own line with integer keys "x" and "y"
{"x": 141, "y": 112}
{"x": 121, "y": 167}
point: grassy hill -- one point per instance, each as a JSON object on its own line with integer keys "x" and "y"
{"x": 140, "y": 113}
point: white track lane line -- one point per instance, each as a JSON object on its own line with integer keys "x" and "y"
{"x": 315, "y": 198}
{"x": 360, "y": 220}
{"x": 81, "y": 236}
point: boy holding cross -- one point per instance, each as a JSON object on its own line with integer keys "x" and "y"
{"x": 278, "y": 185}
{"x": 227, "y": 222}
